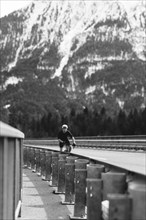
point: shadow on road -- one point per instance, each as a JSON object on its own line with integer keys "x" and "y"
{"x": 38, "y": 198}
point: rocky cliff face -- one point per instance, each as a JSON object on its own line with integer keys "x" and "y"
{"x": 91, "y": 52}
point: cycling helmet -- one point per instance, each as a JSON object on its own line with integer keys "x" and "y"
{"x": 65, "y": 126}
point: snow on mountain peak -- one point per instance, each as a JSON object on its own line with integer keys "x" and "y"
{"x": 96, "y": 48}
{"x": 62, "y": 22}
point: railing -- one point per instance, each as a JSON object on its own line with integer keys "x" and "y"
{"x": 10, "y": 171}
{"x": 108, "y": 144}
{"x": 109, "y": 137}
{"x": 96, "y": 190}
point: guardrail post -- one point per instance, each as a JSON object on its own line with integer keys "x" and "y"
{"x": 61, "y": 174}
{"x": 71, "y": 160}
{"x": 48, "y": 165}
{"x": 94, "y": 191}
{"x": 81, "y": 163}
{"x": 54, "y": 169}
{"x": 94, "y": 198}
{"x": 28, "y": 158}
{"x": 37, "y": 152}
{"x": 25, "y": 156}
{"x": 31, "y": 157}
{"x": 120, "y": 207}
{"x": 80, "y": 188}
{"x": 137, "y": 191}
{"x": 94, "y": 171}
{"x": 33, "y": 161}
{"x": 43, "y": 163}
{"x": 80, "y": 193}
{"x": 69, "y": 180}
{"x": 113, "y": 183}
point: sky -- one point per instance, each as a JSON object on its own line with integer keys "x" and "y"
{"x": 8, "y": 6}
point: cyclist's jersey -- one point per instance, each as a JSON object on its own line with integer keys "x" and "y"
{"x": 65, "y": 136}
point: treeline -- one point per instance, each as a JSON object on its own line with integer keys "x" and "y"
{"x": 87, "y": 123}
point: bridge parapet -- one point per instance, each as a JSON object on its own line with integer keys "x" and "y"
{"x": 135, "y": 143}
{"x": 11, "y": 153}
{"x": 107, "y": 194}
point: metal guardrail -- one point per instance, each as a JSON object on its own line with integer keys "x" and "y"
{"x": 114, "y": 137}
{"x": 107, "y": 192}
{"x": 10, "y": 172}
{"x": 137, "y": 145}
{"x": 109, "y": 137}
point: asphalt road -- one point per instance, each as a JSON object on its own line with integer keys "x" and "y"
{"x": 132, "y": 161}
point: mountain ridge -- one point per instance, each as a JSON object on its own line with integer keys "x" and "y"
{"x": 88, "y": 53}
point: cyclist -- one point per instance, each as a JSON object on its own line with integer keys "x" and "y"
{"x": 63, "y": 138}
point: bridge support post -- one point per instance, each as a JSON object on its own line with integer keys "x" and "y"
{"x": 113, "y": 183}
{"x": 94, "y": 198}
{"x": 137, "y": 191}
{"x": 120, "y": 207}
{"x": 48, "y": 165}
{"x": 54, "y": 169}
{"x": 61, "y": 174}
{"x": 69, "y": 180}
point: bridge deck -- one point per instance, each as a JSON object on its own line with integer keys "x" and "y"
{"x": 132, "y": 161}
{"x": 39, "y": 202}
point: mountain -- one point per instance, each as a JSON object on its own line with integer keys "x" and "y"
{"x": 59, "y": 54}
